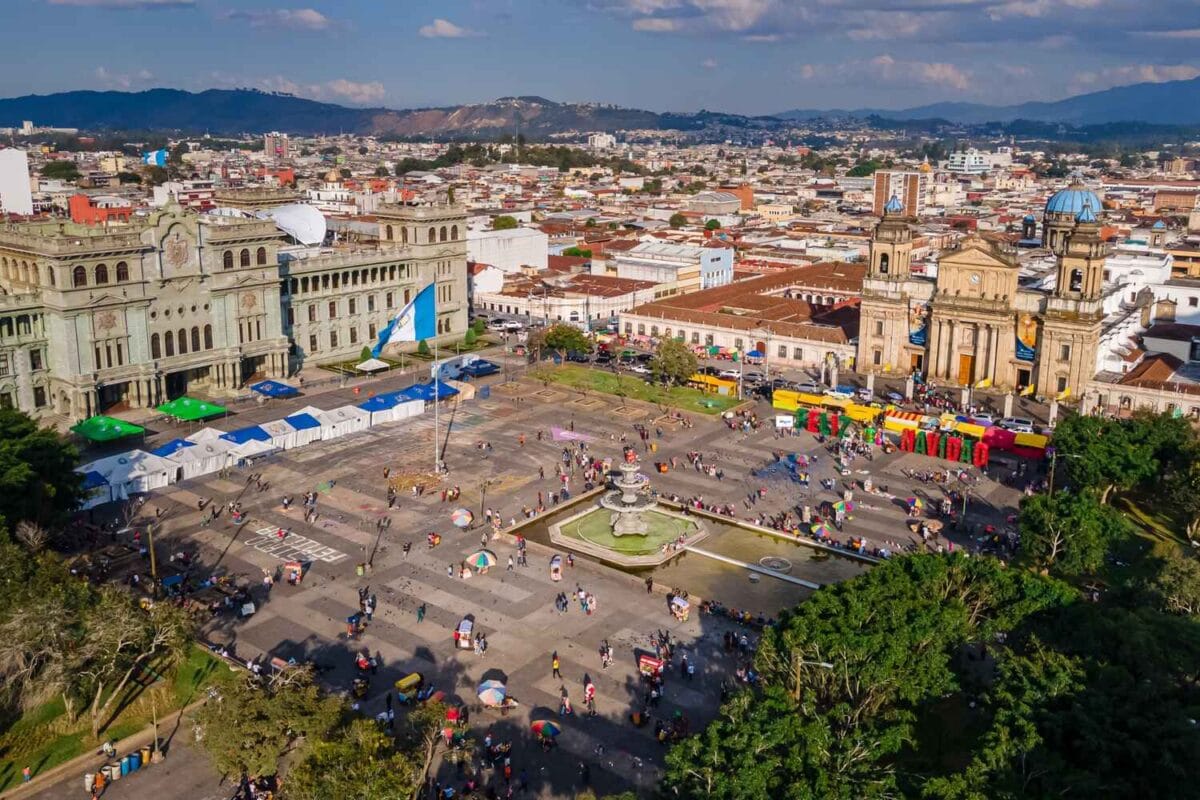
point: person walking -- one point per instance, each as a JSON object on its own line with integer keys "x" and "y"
{"x": 421, "y": 612}
{"x": 554, "y": 665}
{"x": 510, "y": 564}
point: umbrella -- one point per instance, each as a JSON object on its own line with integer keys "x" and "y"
{"x": 842, "y": 505}
{"x": 820, "y": 530}
{"x": 915, "y": 502}
{"x": 556, "y": 561}
{"x": 461, "y": 517}
{"x": 482, "y": 559}
{"x": 492, "y": 693}
{"x": 546, "y": 727}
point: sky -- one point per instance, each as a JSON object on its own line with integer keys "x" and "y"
{"x": 743, "y": 56}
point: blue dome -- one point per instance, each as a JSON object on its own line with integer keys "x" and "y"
{"x": 1087, "y": 215}
{"x": 894, "y": 206}
{"x": 1159, "y": 224}
{"x": 1072, "y": 200}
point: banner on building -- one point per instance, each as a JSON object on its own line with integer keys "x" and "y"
{"x": 1026, "y": 338}
{"x": 918, "y": 323}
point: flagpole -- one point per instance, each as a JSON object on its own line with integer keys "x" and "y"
{"x": 436, "y": 380}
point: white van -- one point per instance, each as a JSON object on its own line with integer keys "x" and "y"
{"x": 1017, "y": 424}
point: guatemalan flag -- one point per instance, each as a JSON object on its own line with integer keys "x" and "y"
{"x": 155, "y": 158}
{"x": 416, "y": 321}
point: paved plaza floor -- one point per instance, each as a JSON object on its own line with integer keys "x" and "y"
{"x": 515, "y": 609}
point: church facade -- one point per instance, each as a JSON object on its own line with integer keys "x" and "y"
{"x": 974, "y": 325}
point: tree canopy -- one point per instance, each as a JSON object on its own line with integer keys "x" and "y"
{"x": 673, "y": 362}
{"x": 1069, "y": 533}
{"x": 38, "y": 481}
{"x": 677, "y": 220}
{"x": 564, "y": 338}
{"x": 61, "y": 170}
{"x": 504, "y": 223}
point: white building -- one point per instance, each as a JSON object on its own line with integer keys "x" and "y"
{"x": 15, "y": 194}
{"x": 969, "y": 162}
{"x": 688, "y": 268}
{"x": 509, "y": 250}
{"x": 601, "y": 141}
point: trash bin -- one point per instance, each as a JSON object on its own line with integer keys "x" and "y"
{"x": 485, "y": 392}
{"x": 89, "y": 780}
{"x": 124, "y": 765}
{"x": 360, "y": 570}
{"x": 145, "y": 755}
{"x": 135, "y": 761}
{"x": 654, "y": 447}
{"x": 113, "y": 771}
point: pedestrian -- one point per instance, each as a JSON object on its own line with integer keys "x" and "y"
{"x": 510, "y": 564}
{"x": 26, "y": 775}
{"x": 421, "y": 612}
{"x": 449, "y": 570}
{"x": 554, "y": 664}
{"x": 649, "y": 585}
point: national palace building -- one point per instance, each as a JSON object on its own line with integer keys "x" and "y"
{"x": 176, "y": 302}
{"x": 974, "y": 324}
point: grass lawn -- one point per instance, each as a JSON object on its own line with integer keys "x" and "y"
{"x": 43, "y": 737}
{"x": 596, "y": 528}
{"x": 633, "y": 387}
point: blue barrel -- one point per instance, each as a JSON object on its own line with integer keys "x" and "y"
{"x": 124, "y": 765}
{"x": 485, "y": 392}
{"x": 135, "y": 761}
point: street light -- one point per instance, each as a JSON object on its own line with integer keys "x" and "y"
{"x": 1053, "y": 451}
{"x": 797, "y": 663}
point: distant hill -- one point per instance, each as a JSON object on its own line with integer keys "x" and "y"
{"x": 221, "y": 111}
{"x": 1169, "y": 103}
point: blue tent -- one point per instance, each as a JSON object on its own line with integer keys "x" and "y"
{"x": 755, "y": 354}
{"x": 274, "y": 389}
{"x": 171, "y": 448}
{"x": 93, "y": 480}
{"x": 383, "y": 402}
{"x": 301, "y": 422}
{"x": 477, "y": 369}
{"x": 243, "y": 435}
{"x": 425, "y": 391}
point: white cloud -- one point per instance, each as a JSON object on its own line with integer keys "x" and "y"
{"x": 445, "y": 29}
{"x": 124, "y": 4}
{"x": 709, "y": 63}
{"x": 308, "y": 19}
{"x": 122, "y": 81}
{"x": 1134, "y": 73}
{"x": 1178, "y": 33}
{"x": 888, "y": 69}
{"x": 337, "y": 90}
{"x": 362, "y": 93}
{"x": 657, "y": 25}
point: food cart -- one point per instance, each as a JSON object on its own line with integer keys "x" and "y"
{"x": 556, "y": 568}
{"x": 680, "y": 609}
{"x": 466, "y": 630}
{"x": 649, "y": 666}
{"x": 294, "y": 572}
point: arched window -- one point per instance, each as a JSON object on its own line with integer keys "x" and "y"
{"x": 432, "y": 235}
{"x": 443, "y": 233}
{"x": 195, "y": 339}
{"x": 208, "y": 337}
{"x": 182, "y": 341}
{"x": 390, "y": 235}
{"x": 454, "y": 233}
{"x": 261, "y": 256}
{"x": 122, "y": 272}
{"x": 50, "y": 276}
{"x": 155, "y": 348}
{"x": 228, "y": 259}
{"x": 169, "y": 341}
{"x": 101, "y": 274}
{"x": 245, "y": 259}
{"x": 404, "y": 235}
{"x": 883, "y": 263}
{"x": 79, "y": 277}
{"x": 1076, "y": 280}
{"x": 26, "y": 274}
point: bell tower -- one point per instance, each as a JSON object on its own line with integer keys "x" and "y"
{"x": 891, "y": 244}
{"x": 1081, "y": 266}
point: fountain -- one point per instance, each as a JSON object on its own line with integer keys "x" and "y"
{"x": 627, "y": 526}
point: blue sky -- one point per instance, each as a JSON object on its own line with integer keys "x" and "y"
{"x": 749, "y": 56}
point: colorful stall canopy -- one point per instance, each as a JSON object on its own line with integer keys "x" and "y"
{"x": 106, "y": 429}
{"x": 170, "y": 448}
{"x": 274, "y": 389}
{"x": 190, "y": 409}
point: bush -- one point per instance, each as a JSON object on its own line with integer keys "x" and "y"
{"x": 471, "y": 337}
{"x": 365, "y": 354}
{"x": 423, "y": 348}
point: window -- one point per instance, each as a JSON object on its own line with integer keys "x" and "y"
{"x": 79, "y": 277}
{"x": 737, "y": 343}
{"x": 312, "y": 343}
{"x": 183, "y": 341}
{"x": 883, "y": 263}
{"x": 354, "y": 336}
{"x": 404, "y": 235}
{"x": 208, "y": 337}
{"x": 4, "y": 367}
{"x": 653, "y": 328}
{"x": 169, "y": 341}
{"x": 443, "y": 233}
{"x": 1193, "y": 301}
{"x": 798, "y": 353}
{"x": 333, "y": 339}
{"x": 877, "y": 357}
{"x": 101, "y": 274}
{"x": 879, "y": 327}
{"x": 1064, "y": 352}
{"x": 122, "y": 272}
{"x": 695, "y": 337}
{"x": 371, "y": 331}
{"x": 35, "y": 360}
{"x": 388, "y": 231}
{"x": 39, "y": 396}
{"x": 641, "y": 329}
{"x": 454, "y": 233}
{"x": 353, "y": 306}
{"x": 227, "y": 259}
{"x": 120, "y": 355}
{"x": 258, "y": 329}
{"x": 195, "y": 339}
{"x": 155, "y": 349}
{"x": 370, "y": 302}
{"x": 628, "y": 328}
{"x": 388, "y": 300}
{"x": 291, "y": 317}
{"x": 6, "y": 400}
{"x": 312, "y": 313}
{"x": 1062, "y": 385}
{"x": 245, "y": 258}
{"x": 50, "y": 275}
{"x": 333, "y": 309}
{"x": 261, "y": 256}
{"x": 783, "y": 351}
{"x": 432, "y": 235}
{"x": 1076, "y": 280}
{"x": 337, "y": 280}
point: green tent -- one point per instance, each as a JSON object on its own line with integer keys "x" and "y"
{"x": 106, "y": 429}
{"x": 190, "y": 409}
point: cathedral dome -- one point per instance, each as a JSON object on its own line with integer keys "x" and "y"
{"x": 1072, "y": 200}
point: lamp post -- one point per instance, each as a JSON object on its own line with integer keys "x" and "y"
{"x": 797, "y": 663}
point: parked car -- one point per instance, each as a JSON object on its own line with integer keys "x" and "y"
{"x": 983, "y": 419}
{"x": 578, "y": 357}
{"x": 753, "y": 377}
{"x": 730, "y": 374}
{"x": 496, "y": 325}
{"x": 1017, "y": 424}
{"x": 707, "y": 370}
{"x": 603, "y": 358}
{"x": 809, "y": 388}
{"x": 640, "y": 369}
{"x": 864, "y": 394}
{"x": 512, "y": 326}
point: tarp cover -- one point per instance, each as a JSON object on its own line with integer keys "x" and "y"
{"x": 274, "y": 389}
{"x": 189, "y": 409}
{"x": 243, "y": 435}
{"x": 425, "y": 391}
{"x": 169, "y": 449}
{"x": 106, "y": 429}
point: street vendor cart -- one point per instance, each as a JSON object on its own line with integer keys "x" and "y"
{"x": 466, "y": 630}
{"x": 680, "y": 609}
{"x": 556, "y": 568}
{"x": 649, "y": 666}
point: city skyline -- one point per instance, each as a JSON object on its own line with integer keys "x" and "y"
{"x": 745, "y": 56}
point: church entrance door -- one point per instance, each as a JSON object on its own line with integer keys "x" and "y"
{"x": 966, "y": 369}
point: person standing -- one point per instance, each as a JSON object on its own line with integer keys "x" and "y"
{"x": 421, "y": 612}
{"x": 554, "y": 665}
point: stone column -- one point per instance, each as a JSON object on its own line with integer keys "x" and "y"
{"x": 1008, "y": 404}
{"x": 908, "y": 388}
{"x": 871, "y": 382}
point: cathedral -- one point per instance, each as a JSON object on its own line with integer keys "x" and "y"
{"x": 975, "y": 325}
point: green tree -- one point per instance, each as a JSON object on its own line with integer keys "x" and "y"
{"x": 479, "y": 326}
{"x": 712, "y": 225}
{"x": 156, "y": 176}
{"x": 1176, "y": 585}
{"x": 564, "y": 338}
{"x": 577, "y": 252}
{"x": 504, "y": 223}
{"x": 128, "y": 177}
{"x": 359, "y": 762}
{"x": 1068, "y": 533}
{"x": 653, "y": 186}
{"x": 38, "y": 482}
{"x": 673, "y": 362}
{"x": 422, "y": 348}
{"x": 864, "y": 168}
{"x": 382, "y": 172}
{"x": 251, "y": 726}
{"x": 677, "y": 220}
{"x": 61, "y": 170}
{"x": 470, "y": 338}
{"x": 365, "y": 354}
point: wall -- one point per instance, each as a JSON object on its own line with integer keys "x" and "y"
{"x": 509, "y": 250}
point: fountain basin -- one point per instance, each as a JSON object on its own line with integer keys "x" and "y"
{"x": 592, "y": 531}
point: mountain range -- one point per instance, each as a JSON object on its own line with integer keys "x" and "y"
{"x": 235, "y": 111}
{"x": 1168, "y": 103}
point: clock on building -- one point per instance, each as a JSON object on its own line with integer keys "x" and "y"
{"x": 974, "y": 278}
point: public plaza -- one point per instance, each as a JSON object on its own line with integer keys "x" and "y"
{"x": 359, "y": 541}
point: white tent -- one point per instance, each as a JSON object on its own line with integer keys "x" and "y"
{"x": 133, "y": 472}
{"x": 371, "y": 365}
{"x": 203, "y": 458}
{"x": 408, "y": 409}
{"x": 328, "y": 429}
{"x": 283, "y": 435}
{"x": 342, "y": 421}
{"x": 251, "y": 449}
{"x": 205, "y": 435}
